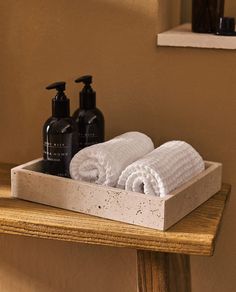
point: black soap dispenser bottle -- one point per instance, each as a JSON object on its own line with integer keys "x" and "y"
{"x": 60, "y": 135}
{"x": 89, "y": 119}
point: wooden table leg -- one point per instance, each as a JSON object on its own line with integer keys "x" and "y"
{"x": 163, "y": 272}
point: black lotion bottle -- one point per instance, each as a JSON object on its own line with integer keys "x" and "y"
{"x": 89, "y": 119}
{"x": 60, "y": 135}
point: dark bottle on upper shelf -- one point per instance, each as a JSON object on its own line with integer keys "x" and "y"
{"x": 89, "y": 119}
{"x": 206, "y": 14}
{"x": 60, "y": 135}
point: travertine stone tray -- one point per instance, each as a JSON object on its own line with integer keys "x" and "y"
{"x": 30, "y": 184}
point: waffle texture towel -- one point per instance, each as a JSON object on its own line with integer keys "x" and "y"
{"x": 163, "y": 170}
{"x": 103, "y": 163}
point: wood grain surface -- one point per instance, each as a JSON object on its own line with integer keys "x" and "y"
{"x": 195, "y": 234}
{"x": 163, "y": 272}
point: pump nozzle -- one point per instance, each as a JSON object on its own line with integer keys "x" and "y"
{"x": 87, "y": 95}
{"x": 86, "y": 79}
{"x": 60, "y": 103}
{"x": 59, "y": 86}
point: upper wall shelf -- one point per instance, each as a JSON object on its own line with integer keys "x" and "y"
{"x": 182, "y": 36}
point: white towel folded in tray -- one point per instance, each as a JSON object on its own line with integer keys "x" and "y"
{"x": 103, "y": 163}
{"x": 162, "y": 170}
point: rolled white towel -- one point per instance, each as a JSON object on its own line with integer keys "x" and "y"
{"x": 163, "y": 170}
{"x": 103, "y": 163}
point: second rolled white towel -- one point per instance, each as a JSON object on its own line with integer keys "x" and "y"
{"x": 163, "y": 170}
{"x": 103, "y": 163}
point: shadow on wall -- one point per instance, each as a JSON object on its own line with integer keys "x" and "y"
{"x": 43, "y": 41}
{"x": 56, "y": 266}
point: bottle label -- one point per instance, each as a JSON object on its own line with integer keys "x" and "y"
{"x": 58, "y": 147}
{"x": 88, "y": 136}
{"x": 58, "y": 151}
{"x": 87, "y": 139}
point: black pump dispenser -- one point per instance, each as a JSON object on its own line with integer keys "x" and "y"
{"x": 60, "y": 135}
{"x": 60, "y": 103}
{"x": 87, "y": 95}
{"x": 89, "y": 119}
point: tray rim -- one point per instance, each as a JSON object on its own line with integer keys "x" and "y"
{"x": 210, "y": 166}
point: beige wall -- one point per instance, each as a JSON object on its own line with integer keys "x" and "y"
{"x": 168, "y": 93}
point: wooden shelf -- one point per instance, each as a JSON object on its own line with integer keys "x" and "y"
{"x": 195, "y": 234}
{"x": 182, "y": 36}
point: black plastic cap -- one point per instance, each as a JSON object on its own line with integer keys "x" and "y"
{"x": 60, "y": 103}
{"x": 226, "y": 26}
{"x": 86, "y": 79}
{"x": 59, "y": 86}
{"x": 87, "y": 94}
